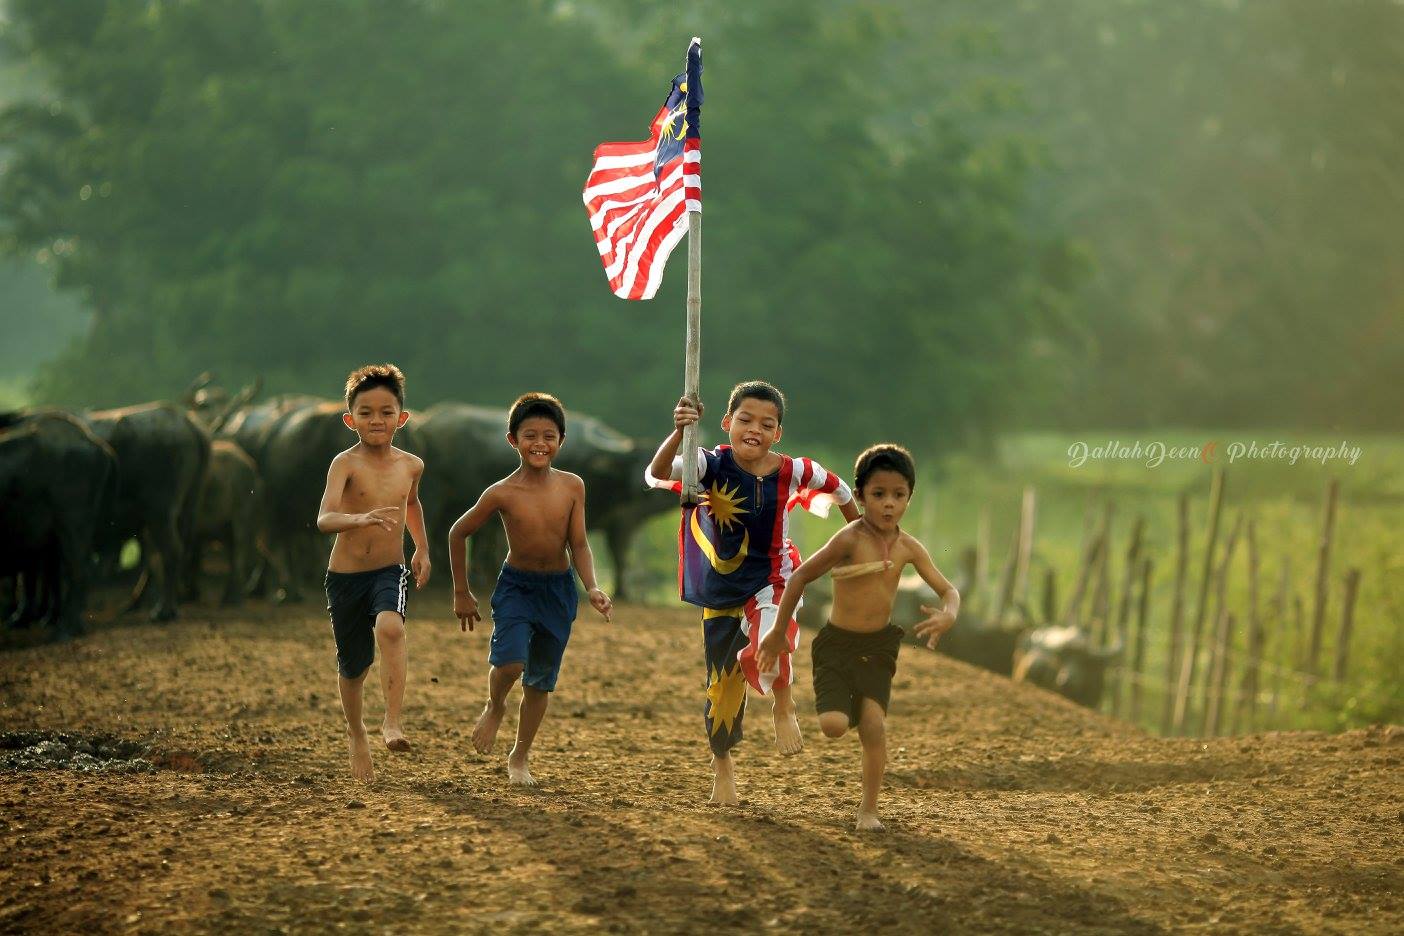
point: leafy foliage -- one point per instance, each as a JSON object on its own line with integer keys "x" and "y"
{"x": 291, "y": 188}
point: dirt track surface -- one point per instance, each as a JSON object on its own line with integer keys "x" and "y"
{"x": 1007, "y": 808}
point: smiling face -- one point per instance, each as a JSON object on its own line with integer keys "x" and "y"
{"x": 537, "y": 440}
{"x": 754, "y": 427}
{"x": 885, "y": 497}
{"x": 375, "y": 414}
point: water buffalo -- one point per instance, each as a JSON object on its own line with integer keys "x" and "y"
{"x": 230, "y": 512}
{"x": 1064, "y": 660}
{"x": 56, "y": 480}
{"x": 971, "y": 640}
{"x": 162, "y": 455}
{"x": 466, "y": 450}
{"x": 295, "y": 453}
{"x": 251, "y": 426}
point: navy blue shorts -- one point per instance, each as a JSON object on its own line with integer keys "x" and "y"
{"x": 353, "y": 600}
{"x": 531, "y": 617}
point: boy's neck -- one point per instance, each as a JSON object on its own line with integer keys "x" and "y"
{"x": 532, "y": 475}
{"x": 878, "y": 531}
{"x": 375, "y": 451}
{"x": 760, "y": 467}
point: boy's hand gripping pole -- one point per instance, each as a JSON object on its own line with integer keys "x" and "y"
{"x": 692, "y": 362}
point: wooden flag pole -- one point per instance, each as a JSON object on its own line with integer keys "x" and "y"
{"x": 693, "y": 362}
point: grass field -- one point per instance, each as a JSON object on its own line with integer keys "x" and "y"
{"x": 1285, "y": 501}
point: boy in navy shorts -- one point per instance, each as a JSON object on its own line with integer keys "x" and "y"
{"x": 371, "y": 499}
{"x": 533, "y": 606}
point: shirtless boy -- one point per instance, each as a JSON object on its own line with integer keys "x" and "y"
{"x": 534, "y": 604}
{"x": 372, "y": 498}
{"x": 855, "y": 654}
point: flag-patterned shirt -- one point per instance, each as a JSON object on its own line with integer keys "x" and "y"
{"x": 737, "y": 542}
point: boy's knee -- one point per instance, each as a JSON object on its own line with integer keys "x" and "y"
{"x": 511, "y": 670}
{"x": 872, "y": 725}
{"x": 389, "y": 627}
{"x": 833, "y": 724}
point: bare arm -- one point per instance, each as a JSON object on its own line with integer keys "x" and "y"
{"x": 684, "y": 414}
{"x": 849, "y": 511}
{"x": 414, "y": 522}
{"x": 330, "y": 519}
{"x": 580, "y": 555}
{"x": 831, "y": 554}
{"x": 942, "y": 620}
{"x": 465, "y": 605}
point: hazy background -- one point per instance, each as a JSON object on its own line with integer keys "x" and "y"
{"x": 929, "y": 221}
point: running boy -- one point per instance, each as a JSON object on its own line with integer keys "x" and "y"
{"x": 737, "y": 557}
{"x": 372, "y": 497}
{"x": 533, "y": 606}
{"x": 855, "y": 654}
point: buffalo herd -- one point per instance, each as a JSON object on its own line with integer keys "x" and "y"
{"x": 77, "y": 488}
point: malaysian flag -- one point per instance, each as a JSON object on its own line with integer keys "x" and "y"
{"x": 638, "y": 194}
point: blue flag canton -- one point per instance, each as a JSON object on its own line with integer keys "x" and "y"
{"x": 684, "y": 107}
{"x": 675, "y": 128}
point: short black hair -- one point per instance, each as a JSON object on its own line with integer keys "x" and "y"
{"x": 884, "y": 457}
{"x": 536, "y": 404}
{"x": 756, "y": 390}
{"x": 375, "y": 375}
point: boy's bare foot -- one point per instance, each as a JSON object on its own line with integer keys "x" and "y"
{"x": 360, "y": 754}
{"x": 517, "y": 772}
{"x": 868, "y": 822}
{"x": 724, "y": 783}
{"x": 395, "y": 739}
{"x": 788, "y": 740}
{"x": 485, "y": 731}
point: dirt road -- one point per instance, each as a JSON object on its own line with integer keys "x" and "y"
{"x": 193, "y": 777}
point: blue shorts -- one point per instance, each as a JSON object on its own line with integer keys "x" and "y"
{"x": 354, "y": 599}
{"x": 531, "y": 617}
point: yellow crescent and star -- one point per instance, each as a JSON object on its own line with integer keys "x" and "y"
{"x": 669, "y": 133}
{"x": 725, "y": 691}
{"x": 725, "y": 503}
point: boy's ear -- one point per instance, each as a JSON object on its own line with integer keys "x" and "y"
{"x": 349, "y": 420}
{"x": 779, "y": 431}
{"x": 404, "y": 418}
{"x": 726, "y": 423}
{"x": 512, "y": 439}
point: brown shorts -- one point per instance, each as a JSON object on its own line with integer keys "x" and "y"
{"x": 849, "y": 667}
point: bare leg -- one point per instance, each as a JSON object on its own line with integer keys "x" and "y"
{"x": 390, "y": 637}
{"x": 724, "y": 781}
{"x": 872, "y": 731}
{"x": 355, "y": 728}
{"x": 529, "y": 715}
{"x": 500, "y": 682}
{"x": 788, "y": 740}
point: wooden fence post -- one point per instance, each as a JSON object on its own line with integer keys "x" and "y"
{"x": 1123, "y": 611}
{"x": 1138, "y": 653}
{"x": 1187, "y": 665}
{"x": 1352, "y": 585}
{"x": 1177, "y": 613}
{"x": 1323, "y": 575}
{"x": 1248, "y": 688}
{"x": 1215, "y": 680}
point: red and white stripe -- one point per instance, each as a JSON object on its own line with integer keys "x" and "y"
{"x": 637, "y": 219}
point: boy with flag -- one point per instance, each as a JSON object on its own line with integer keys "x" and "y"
{"x": 735, "y": 557}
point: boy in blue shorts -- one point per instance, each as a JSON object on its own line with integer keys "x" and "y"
{"x": 371, "y": 499}
{"x": 533, "y": 606}
{"x": 736, "y": 557}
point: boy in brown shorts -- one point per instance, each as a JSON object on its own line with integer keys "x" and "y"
{"x": 855, "y": 654}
